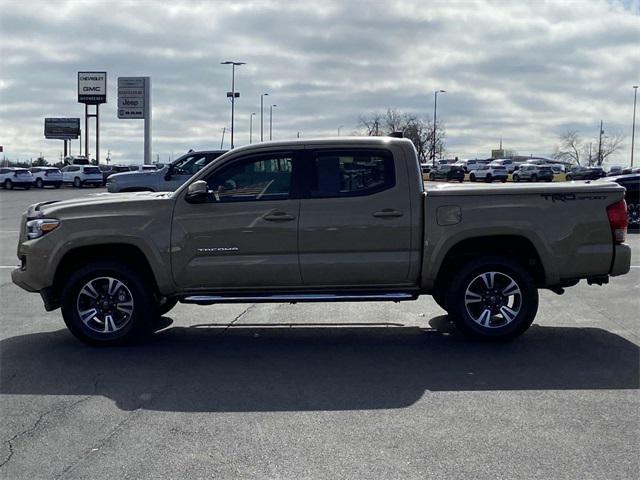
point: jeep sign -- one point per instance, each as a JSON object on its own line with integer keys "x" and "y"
{"x": 92, "y": 87}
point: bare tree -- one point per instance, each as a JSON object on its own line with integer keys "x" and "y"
{"x": 419, "y": 131}
{"x": 610, "y": 145}
{"x": 570, "y": 147}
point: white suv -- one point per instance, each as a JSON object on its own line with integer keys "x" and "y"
{"x": 44, "y": 176}
{"x": 15, "y": 177}
{"x": 79, "y": 175}
{"x": 489, "y": 173}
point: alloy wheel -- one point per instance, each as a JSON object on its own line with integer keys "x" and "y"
{"x": 493, "y": 299}
{"x": 105, "y": 305}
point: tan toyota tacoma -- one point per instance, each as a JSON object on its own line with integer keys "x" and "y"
{"x": 324, "y": 220}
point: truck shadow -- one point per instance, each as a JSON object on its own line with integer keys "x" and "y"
{"x": 300, "y": 368}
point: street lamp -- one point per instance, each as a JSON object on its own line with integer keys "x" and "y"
{"x": 251, "y": 127}
{"x": 339, "y": 127}
{"x": 233, "y": 94}
{"x": 261, "y": 115}
{"x": 271, "y": 121}
{"x": 633, "y": 128}
{"x": 435, "y": 109}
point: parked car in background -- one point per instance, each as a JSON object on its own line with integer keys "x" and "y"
{"x": 110, "y": 170}
{"x": 46, "y": 177}
{"x": 167, "y": 179}
{"x": 507, "y": 163}
{"x": 631, "y": 183}
{"x": 585, "y": 173}
{"x": 489, "y": 173}
{"x": 11, "y": 177}
{"x": 474, "y": 163}
{"x": 76, "y": 160}
{"x": 614, "y": 170}
{"x": 148, "y": 168}
{"x": 533, "y": 173}
{"x": 447, "y": 172}
{"x": 629, "y": 170}
{"x": 80, "y": 175}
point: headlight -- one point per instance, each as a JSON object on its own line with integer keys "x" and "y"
{"x": 37, "y": 228}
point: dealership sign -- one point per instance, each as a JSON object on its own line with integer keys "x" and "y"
{"x": 61, "y": 128}
{"x": 133, "y": 97}
{"x": 92, "y": 87}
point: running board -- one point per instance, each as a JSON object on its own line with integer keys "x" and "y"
{"x": 295, "y": 298}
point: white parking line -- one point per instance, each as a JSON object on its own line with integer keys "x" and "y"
{"x": 8, "y": 266}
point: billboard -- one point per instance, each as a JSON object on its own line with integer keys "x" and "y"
{"x": 61, "y": 128}
{"x": 92, "y": 87}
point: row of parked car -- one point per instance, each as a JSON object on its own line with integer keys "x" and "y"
{"x": 75, "y": 175}
{"x": 534, "y": 170}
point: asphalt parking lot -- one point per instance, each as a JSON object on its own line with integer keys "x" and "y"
{"x": 360, "y": 390}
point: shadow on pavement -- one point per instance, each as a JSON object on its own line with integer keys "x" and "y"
{"x": 292, "y": 368}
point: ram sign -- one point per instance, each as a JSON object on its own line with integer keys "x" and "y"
{"x": 92, "y": 87}
{"x": 61, "y": 128}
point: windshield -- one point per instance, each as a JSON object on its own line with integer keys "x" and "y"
{"x": 189, "y": 165}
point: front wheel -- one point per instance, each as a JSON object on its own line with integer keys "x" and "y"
{"x": 472, "y": 177}
{"x": 77, "y": 182}
{"x": 39, "y": 183}
{"x": 106, "y": 303}
{"x": 492, "y": 298}
{"x": 488, "y": 178}
{"x": 516, "y": 178}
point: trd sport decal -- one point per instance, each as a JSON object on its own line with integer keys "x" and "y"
{"x": 567, "y": 197}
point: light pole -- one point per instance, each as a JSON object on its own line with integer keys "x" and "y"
{"x": 633, "y": 128}
{"x": 435, "y": 109}
{"x": 251, "y": 127}
{"x": 271, "y": 121}
{"x": 233, "y": 94}
{"x": 339, "y": 127}
{"x": 261, "y": 115}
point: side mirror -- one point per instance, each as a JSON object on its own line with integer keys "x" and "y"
{"x": 197, "y": 192}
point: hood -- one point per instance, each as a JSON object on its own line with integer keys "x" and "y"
{"x": 125, "y": 176}
{"x": 98, "y": 202}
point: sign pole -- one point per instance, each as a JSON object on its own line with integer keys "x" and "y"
{"x": 147, "y": 121}
{"x": 86, "y": 129}
{"x": 98, "y": 134}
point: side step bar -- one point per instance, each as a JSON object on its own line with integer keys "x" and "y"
{"x": 302, "y": 297}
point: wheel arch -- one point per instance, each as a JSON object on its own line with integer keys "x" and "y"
{"x": 517, "y": 247}
{"x": 120, "y": 253}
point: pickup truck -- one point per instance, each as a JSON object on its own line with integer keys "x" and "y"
{"x": 316, "y": 221}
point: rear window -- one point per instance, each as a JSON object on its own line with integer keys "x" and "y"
{"x": 92, "y": 170}
{"x": 347, "y": 174}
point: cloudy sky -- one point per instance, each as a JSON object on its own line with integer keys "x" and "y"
{"x": 525, "y": 71}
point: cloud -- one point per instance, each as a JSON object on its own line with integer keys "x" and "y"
{"x": 526, "y": 71}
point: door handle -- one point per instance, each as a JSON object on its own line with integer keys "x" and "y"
{"x": 388, "y": 213}
{"x": 278, "y": 216}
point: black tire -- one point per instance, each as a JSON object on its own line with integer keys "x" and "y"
{"x": 136, "y": 325}
{"x": 39, "y": 183}
{"x": 534, "y": 178}
{"x": 166, "y": 304}
{"x": 8, "y": 184}
{"x": 77, "y": 183}
{"x": 488, "y": 178}
{"x": 516, "y": 178}
{"x": 472, "y": 177}
{"x": 568, "y": 178}
{"x": 497, "y": 326}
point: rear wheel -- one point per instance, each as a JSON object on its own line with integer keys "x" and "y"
{"x": 492, "y": 298}
{"x": 77, "y": 182}
{"x": 8, "y": 184}
{"x": 488, "y": 178}
{"x": 106, "y": 303}
{"x": 568, "y": 178}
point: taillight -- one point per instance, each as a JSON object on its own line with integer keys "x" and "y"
{"x": 618, "y": 220}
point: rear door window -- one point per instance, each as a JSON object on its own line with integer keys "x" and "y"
{"x": 347, "y": 174}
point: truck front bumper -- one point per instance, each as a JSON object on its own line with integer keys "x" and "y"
{"x": 621, "y": 260}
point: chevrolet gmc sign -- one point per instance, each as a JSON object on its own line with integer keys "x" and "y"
{"x": 92, "y": 87}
